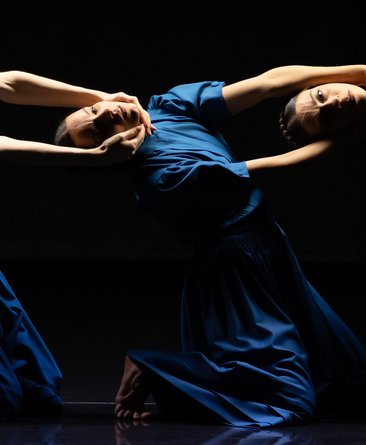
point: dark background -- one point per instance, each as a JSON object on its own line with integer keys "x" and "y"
{"x": 96, "y": 274}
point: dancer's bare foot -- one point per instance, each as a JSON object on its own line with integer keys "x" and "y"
{"x": 132, "y": 394}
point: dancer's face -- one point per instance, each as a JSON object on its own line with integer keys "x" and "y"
{"x": 90, "y": 126}
{"x": 330, "y": 107}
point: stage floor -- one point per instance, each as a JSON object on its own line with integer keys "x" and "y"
{"x": 93, "y": 424}
{"x": 91, "y": 314}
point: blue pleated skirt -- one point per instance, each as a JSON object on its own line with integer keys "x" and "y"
{"x": 260, "y": 346}
{"x": 30, "y": 379}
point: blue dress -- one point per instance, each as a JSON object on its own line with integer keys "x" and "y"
{"x": 30, "y": 379}
{"x": 259, "y": 345}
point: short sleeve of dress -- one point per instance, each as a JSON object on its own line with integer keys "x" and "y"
{"x": 201, "y": 100}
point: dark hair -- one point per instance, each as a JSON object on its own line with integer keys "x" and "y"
{"x": 290, "y": 127}
{"x": 62, "y": 135}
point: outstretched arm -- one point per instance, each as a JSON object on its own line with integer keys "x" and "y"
{"x": 22, "y": 88}
{"x": 285, "y": 81}
{"x": 117, "y": 148}
{"x": 19, "y": 87}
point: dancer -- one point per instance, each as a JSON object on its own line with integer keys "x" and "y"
{"x": 30, "y": 380}
{"x": 259, "y": 345}
{"x": 22, "y": 88}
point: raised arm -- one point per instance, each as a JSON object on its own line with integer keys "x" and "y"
{"x": 19, "y": 87}
{"x": 285, "y": 81}
{"x": 117, "y": 148}
{"x": 22, "y": 88}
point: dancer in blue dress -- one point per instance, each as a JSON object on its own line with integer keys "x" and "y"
{"x": 30, "y": 379}
{"x": 260, "y": 346}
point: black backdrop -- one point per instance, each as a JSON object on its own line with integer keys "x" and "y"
{"x": 145, "y": 49}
